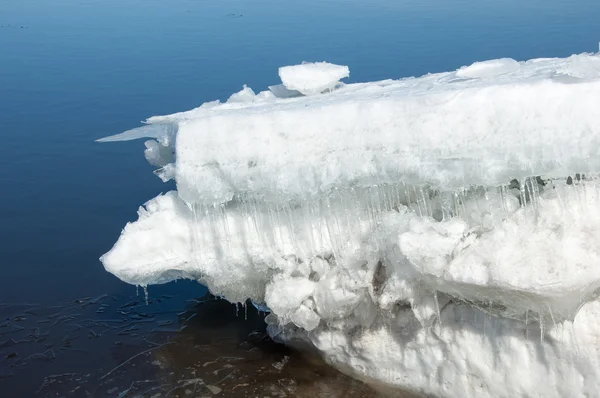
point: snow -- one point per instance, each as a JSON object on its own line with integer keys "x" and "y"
{"x": 435, "y": 234}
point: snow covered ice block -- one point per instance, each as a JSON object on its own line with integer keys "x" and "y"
{"x": 312, "y": 77}
{"x": 442, "y": 129}
{"x": 437, "y": 234}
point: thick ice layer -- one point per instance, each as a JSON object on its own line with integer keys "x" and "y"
{"x": 436, "y": 233}
{"x": 448, "y": 130}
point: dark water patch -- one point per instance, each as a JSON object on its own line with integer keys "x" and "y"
{"x": 119, "y": 346}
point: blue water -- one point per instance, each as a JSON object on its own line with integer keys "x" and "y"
{"x": 74, "y": 71}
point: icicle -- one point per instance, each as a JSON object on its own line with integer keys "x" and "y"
{"x": 226, "y": 232}
{"x": 407, "y": 194}
{"x": 479, "y": 212}
{"x": 523, "y": 197}
{"x": 313, "y": 210}
{"x": 463, "y": 200}
{"x": 370, "y": 209}
{"x": 489, "y": 210}
{"x": 380, "y": 203}
{"x": 245, "y": 311}
{"x": 340, "y": 235}
{"x": 329, "y": 228}
{"x": 386, "y": 202}
{"x": 484, "y": 322}
{"x": 417, "y": 201}
{"x": 271, "y": 225}
{"x": 396, "y": 196}
{"x": 541, "y": 330}
{"x": 257, "y": 227}
{"x": 280, "y": 228}
{"x": 503, "y": 199}
{"x": 216, "y": 237}
{"x": 535, "y": 192}
{"x": 308, "y": 225}
{"x": 345, "y": 207}
{"x": 447, "y": 204}
{"x": 429, "y": 203}
{"x": 527, "y": 324}
{"x": 145, "y": 293}
{"x": 437, "y": 308}
{"x": 534, "y": 197}
{"x": 551, "y": 315}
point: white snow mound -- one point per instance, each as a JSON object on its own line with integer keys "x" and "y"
{"x": 435, "y": 234}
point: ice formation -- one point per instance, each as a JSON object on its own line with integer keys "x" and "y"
{"x": 436, "y": 234}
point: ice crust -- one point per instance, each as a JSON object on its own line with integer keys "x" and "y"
{"x": 437, "y": 234}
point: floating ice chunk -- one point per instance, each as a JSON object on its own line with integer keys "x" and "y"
{"x": 312, "y": 78}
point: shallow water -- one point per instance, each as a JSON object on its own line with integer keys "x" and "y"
{"x": 120, "y": 346}
{"x": 73, "y": 71}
